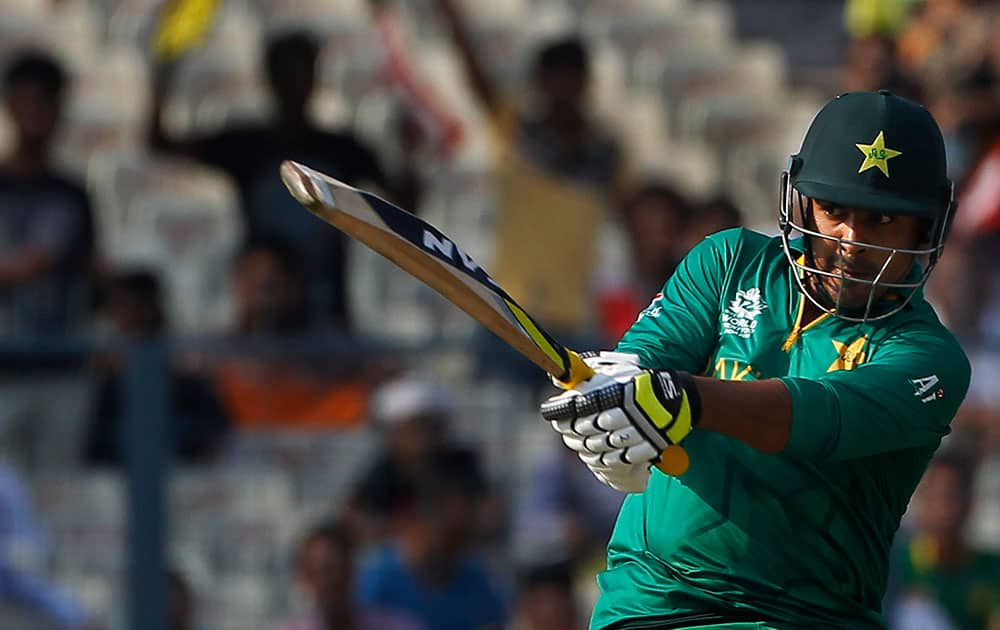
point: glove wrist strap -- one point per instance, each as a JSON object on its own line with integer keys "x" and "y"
{"x": 686, "y": 381}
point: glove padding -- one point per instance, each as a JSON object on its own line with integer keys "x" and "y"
{"x": 629, "y": 478}
{"x": 610, "y": 367}
{"x": 624, "y": 417}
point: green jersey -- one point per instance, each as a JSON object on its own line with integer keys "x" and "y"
{"x": 800, "y": 538}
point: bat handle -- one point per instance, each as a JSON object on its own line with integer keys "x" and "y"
{"x": 578, "y": 371}
{"x": 674, "y": 460}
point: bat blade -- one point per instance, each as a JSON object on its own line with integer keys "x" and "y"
{"x": 423, "y": 251}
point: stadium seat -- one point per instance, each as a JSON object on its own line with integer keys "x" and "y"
{"x": 18, "y": 32}
{"x": 107, "y": 110}
{"x": 610, "y": 78}
{"x": 62, "y": 495}
{"x": 74, "y": 29}
{"x": 130, "y": 21}
{"x": 26, "y": 9}
{"x": 100, "y": 595}
{"x": 350, "y": 61}
{"x": 181, "y": 218}
{"x": 711, "y": 23}
{"x": 324, "y": 19}
{"x": 45, "y": 417}
{"x": 326, "y": 483}
{"x": 692, "y": 166}
{"x": 643, "y": 126}
{"x": 240, "y": 601}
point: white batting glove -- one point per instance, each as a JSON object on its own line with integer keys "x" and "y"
{"x": 617, "y": 473}
{"x": 624, "y": 417}
{"x": 609, "y": 367}
{"x": 631, "y": 479}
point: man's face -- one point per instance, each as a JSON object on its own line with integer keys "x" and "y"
{"x": 326, "y": 570}
{"x": 857, "y": 262}
{"x": 562, "y": 89}
{"x": 266, "y": 293}
{"x": 414, "y": 439}
{"x": 656, "y": 228}
{"x": 293, "y": 81}
{"x": 35, "y": 111}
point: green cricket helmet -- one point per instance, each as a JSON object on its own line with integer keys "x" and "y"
{"x": 872, "y": 151}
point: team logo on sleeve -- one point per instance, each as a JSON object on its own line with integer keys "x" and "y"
{"x": 922, "y": 388}
{"x": 740, "y": 317}
{"x": 653, "y": 310}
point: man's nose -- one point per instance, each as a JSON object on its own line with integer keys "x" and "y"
{"x": 853, "y": 231}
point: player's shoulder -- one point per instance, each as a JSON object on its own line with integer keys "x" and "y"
{"x": 740, "y": 237}
{"x": 919, "y": 329}
{"x": 739, "y": 243}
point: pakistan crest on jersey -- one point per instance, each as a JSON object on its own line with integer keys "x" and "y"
{"x": 740, "y": 317}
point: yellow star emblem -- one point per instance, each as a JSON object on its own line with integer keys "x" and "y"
{"x": 877, "y": 155}
{"x": 850, "y": 355}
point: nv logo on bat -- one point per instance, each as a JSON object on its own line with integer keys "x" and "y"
{"x": 446, "y": 248}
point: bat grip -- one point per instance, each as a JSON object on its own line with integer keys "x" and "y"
{"x": 673, "y": 460}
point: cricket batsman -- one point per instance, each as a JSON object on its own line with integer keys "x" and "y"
{"x": 807, "y": 378}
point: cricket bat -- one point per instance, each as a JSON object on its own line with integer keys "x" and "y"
{"x": 423, "y": 251}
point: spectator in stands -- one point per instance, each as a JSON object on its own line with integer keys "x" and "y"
{"x": 27, "y": 598}
{"x": 46, "y": 227}
{"x": 324, "y": 566}
{"x": 655, "y": 217}
{"x": 709, "y": 217}
{"x": 431, "y": 571}
{"x": 414, "y": 416}
{"x": 563, "y": 513}
{"x": 133, "y": 307}
{"x": 558, "y": 171}
{"x": 948, "y": 46}
{"x": 546, "y": 599}
{"x": 951, "y": 47}
{"x": 281, "y": 378}
{"x": 270, "y": 291}
{"x": 560, "y": 137}
{"x": 252, "y": 155}
{"x": 871, "y": 64}
{"x": 937, "y": 574}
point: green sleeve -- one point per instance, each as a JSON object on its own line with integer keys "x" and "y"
{"x": 679, "y": 328}
{"x": 904, "y": 397}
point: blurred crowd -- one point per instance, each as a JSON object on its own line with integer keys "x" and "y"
{"x": 581, "y": 232}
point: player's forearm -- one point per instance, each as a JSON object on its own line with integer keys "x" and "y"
{"x": 474, "y": 70}
{"x": 758, "y": 413}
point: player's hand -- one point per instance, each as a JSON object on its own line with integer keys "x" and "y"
{"x": 623, "y": 415}
{"x": 628, "y": 478}
{"x": 610, "y": 367}
{"x": 620, "y": 366}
